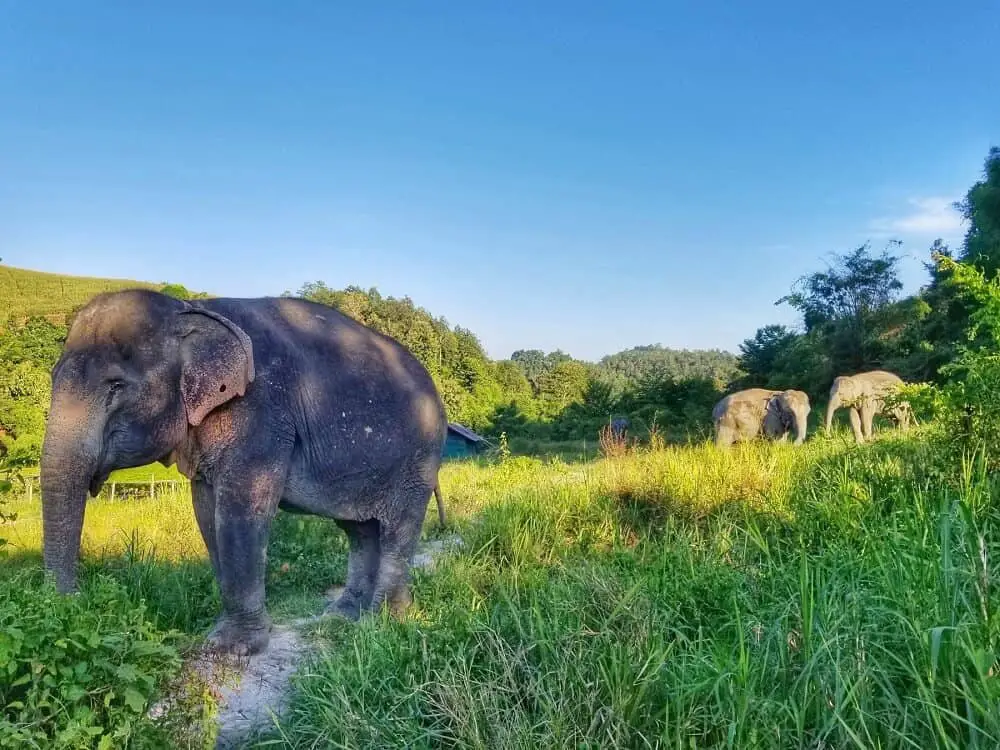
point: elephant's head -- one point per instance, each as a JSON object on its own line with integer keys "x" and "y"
{"x": 138, "y": 368}
{"x": 787, "y": 411}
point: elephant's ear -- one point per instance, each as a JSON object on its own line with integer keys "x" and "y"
{"x": 778, "y": 404}
{"x": 216, "y": 361}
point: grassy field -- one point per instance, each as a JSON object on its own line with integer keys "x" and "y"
{"x": 769, "y": 597}
{"x": 26, "y": 293}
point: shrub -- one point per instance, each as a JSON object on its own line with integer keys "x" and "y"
{"x": 77, "y": 671}
{"x": 971, "y": 414}
{"x": 613, "y": 441}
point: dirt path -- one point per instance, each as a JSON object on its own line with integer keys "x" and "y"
{"x": 252, "y": 692}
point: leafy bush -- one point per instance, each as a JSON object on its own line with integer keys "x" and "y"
{"x": 970, "y": 411}
{"x": 77, "y": 671}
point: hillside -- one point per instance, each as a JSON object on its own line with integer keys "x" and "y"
{"x": 25, "y": 294}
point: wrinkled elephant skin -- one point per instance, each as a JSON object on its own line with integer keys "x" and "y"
{"x": 262, "y": 403}
{"x": 760, "y": 412}
{"x": 863, "y": 395}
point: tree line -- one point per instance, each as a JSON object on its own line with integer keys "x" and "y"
{"x": 852, "y": 314}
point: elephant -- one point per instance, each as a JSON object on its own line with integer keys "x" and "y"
{"x": 756, "y": 412}
{"x": 264, "y": 404}
{"x": 864, "y": 394}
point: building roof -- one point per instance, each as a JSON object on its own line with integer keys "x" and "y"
{"x": 465, "y": 432}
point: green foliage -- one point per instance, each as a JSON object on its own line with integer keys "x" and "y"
{"x": 179, "y": 291}
{"x": 535, "y": 364}
{"x": 76, "y": 671}
{"x": 853, "y": 320}
{"x": 971, "y": 411}
{"x": 27, "y": 353}
{"x": 854, "y": 288}
{"x": 561, "y": 386}
{"x": 643, "y": 362}
{"x": 765, "y": 597}
{"x": 981, "y": 209}
{"x": 10, "y": 481}
{"x": 760, "y": 597}
{"x": 36, "y": 340}
{"x": 849, "y": 306}
{"x": 761, "y": 356}
{"x": 680, "y": 407}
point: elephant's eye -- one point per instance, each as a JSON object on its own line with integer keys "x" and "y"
{"x": 115, "y": 387}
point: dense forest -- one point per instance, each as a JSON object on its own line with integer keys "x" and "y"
{"x": 853, "y": 317}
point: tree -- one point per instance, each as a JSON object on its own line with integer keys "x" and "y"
{"x": 561, "y": 386}
{"x": 981, "y": 209}
{"x": 511, "y": 379}
{"x": 535, "y": 363}
{"x": 178, "y": 291}
{"x": 940, "y": 319}
{"x": 646, "y": 361}
{"x": 846, "y": 305}
{"x": 760, "y": 354}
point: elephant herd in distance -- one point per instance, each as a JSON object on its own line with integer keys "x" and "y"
{"x": 772, "y": 415}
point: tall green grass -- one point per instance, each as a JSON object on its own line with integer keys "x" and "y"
{"x": 769, "y": 597}
{"x": 828, "y": 596}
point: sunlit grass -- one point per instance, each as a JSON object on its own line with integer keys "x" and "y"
{"x": 767, "y": 596}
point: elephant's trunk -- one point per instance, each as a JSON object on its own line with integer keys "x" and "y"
{"x": 801, "y": 425}
{"x": 69, "y": 465}
{"x": 830, "y": 409}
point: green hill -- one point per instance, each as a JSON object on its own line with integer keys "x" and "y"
{"x": 25, "y": 294}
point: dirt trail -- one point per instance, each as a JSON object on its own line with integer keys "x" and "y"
{"x": 252, "y": 691}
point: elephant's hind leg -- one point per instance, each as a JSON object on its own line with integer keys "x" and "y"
{"x": 398, "y": 541}
{"x": 868, "y": 412}
{"x": 362, "y": 567}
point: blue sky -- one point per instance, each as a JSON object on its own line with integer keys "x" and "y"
{"x": 575, "y": 175}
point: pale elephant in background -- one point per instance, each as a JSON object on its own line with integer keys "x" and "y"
{"x": 760, "y": 412}
{"x": 864, "y": 394}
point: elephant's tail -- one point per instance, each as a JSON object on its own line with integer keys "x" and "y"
{"x": 440, "y": 503}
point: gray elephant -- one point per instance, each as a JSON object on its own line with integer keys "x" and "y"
{"x": 864, "y": 395}
{"x": 263, "y": 403}
{"x": 760, "y": 412}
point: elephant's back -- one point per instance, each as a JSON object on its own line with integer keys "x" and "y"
{"x": 754, "y": 398}
{"x": 332, "y": 364}
{"x": 886, "y": 377}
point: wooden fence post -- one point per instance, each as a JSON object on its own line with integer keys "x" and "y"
{"x": 112, "y": 492}
{"x": 152, "y": 486}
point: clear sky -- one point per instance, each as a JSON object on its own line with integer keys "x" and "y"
{"x": 577, "y": 175}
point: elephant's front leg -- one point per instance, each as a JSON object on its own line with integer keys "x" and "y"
{"x": 244, "y": 510}
{"x": 855, "y": 416}
{"x": 203, "y": 499}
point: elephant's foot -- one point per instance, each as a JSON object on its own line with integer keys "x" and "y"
{"x": 347, "y": 605}
{"x": 351, "y": 606}
{"x": 400, "y": 600}
{"x": 240, "y": 638}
